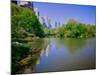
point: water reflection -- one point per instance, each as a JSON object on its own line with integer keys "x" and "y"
{"x": 72, "y": 44}
{"x": 27, "y": 63}
{"x": 67, "y": 54}
{"x": 55, "y": 54}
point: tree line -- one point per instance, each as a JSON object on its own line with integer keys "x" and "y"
{"x": 73, "y": 29}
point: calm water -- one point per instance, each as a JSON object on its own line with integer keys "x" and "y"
{"x": 67, "y": 54}
{"x": 55, "y": 54}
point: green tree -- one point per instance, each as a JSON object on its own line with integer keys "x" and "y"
{"x": 24, "y": 20}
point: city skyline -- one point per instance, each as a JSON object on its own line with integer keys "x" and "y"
{"x": 64, "y": 12}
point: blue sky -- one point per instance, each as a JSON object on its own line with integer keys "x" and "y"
{"x": 63, "y": 12}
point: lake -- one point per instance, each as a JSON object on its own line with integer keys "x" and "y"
{"x": 67, "y": 54}
{"x": 60, "y": 54}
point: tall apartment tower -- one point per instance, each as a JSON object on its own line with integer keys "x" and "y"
{"x": 36, "y": 12}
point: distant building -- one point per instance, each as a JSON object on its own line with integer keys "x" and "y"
{"x": 37, "y": 12}
{"x": 48, "y": 22}
{"x": 43, "y": 21}
{"x": 56, "y": 24}
{"x": 59, "y": 24}
{"x": 26, "y": 4}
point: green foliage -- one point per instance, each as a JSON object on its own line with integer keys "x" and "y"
{"x": 24, "y": 20}
{"x": 72, "y": 22}
{"x": 74, "y": 29}
{"x": 19, "y": 52}
{"x": 24, "y": 25}
{"x": 61, "y": 32}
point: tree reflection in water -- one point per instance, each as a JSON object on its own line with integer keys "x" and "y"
{"x": 72, "y": 44}
{"x": 27, "y": 64}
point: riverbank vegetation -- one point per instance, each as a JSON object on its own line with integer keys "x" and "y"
{"x": 25, "y": 27}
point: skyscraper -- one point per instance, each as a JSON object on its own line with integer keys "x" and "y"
{"x": 56, "y": 24}
{"x": 36, "y": 12}
{"x": 49, "y": 23}
{"x": 44, "y": 22}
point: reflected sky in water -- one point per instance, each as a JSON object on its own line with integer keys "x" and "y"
{"x": 67, "y": 54}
